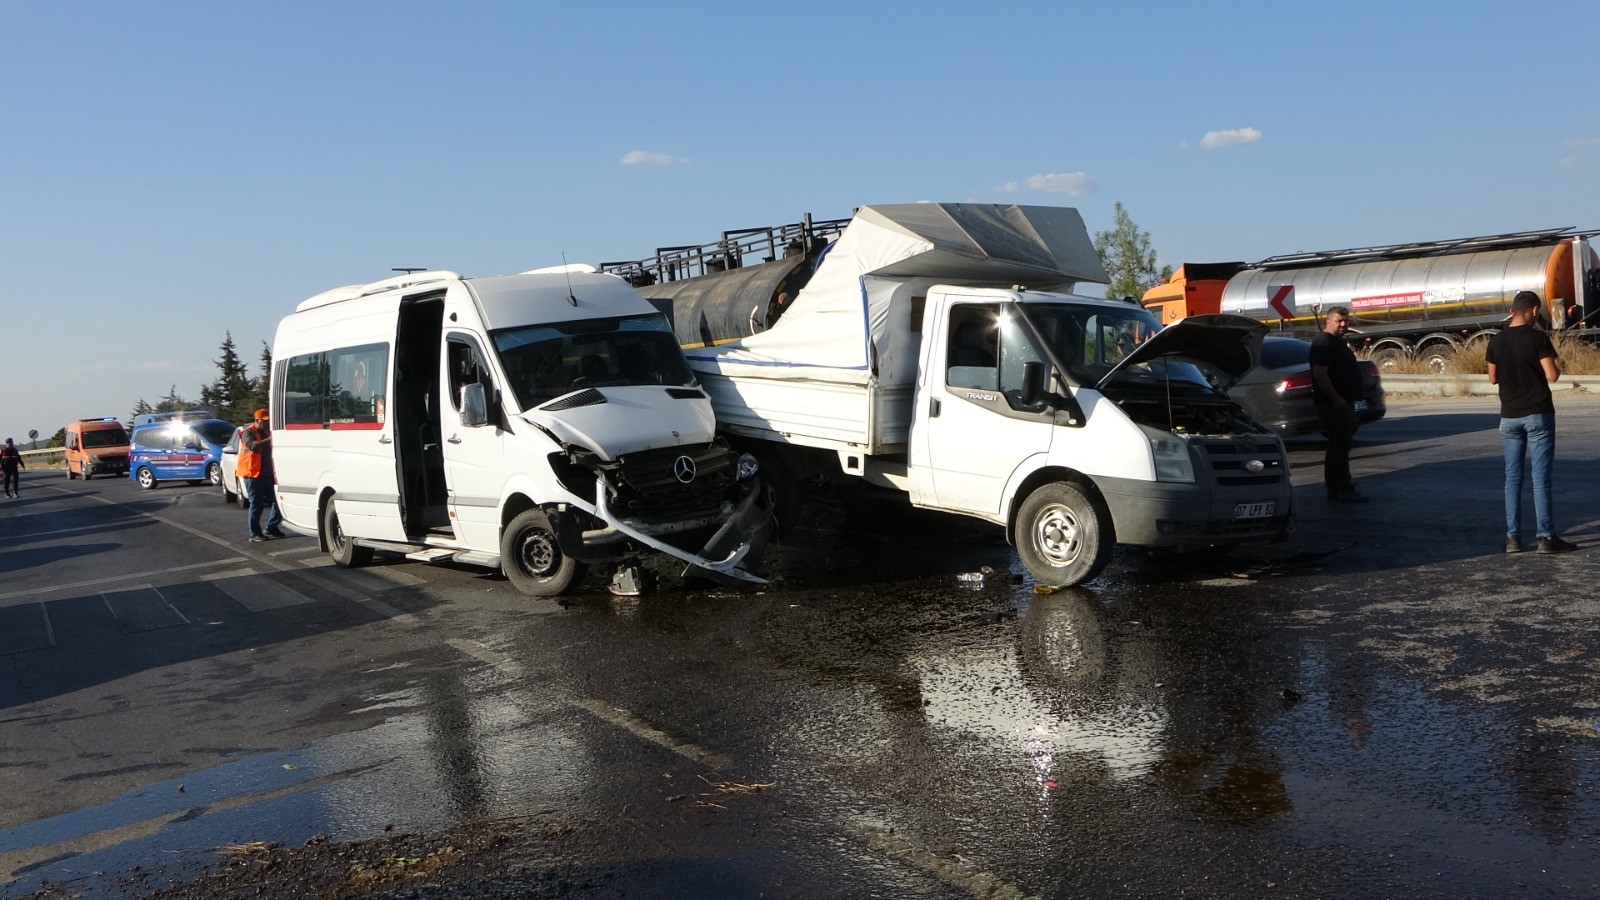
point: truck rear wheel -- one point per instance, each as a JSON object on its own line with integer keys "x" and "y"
{"x": 1063, "y": 534}
{"x": 341, "y": 548}
{"x": 532, "y": 559}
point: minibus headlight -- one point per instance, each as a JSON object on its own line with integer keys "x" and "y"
{"x": 1171, "y": 455}
{"x": 748, "y": 467}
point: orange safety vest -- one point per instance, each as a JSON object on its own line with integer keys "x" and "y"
{"x": 249, "y": 465}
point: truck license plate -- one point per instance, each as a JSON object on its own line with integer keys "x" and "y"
{"x": 1254, "y": 510}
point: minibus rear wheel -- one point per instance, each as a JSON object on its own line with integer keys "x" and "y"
{"x": 532, "y": 559}
{"x": 343, "y": 549}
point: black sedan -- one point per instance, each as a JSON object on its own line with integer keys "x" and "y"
{"x": 1278, "y": 392}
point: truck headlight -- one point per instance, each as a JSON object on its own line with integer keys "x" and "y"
{"x": 1171, "y": 455}
{"x": 748, "y": 467}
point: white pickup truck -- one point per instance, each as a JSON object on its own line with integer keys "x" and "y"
{"x": 936, "y": 349}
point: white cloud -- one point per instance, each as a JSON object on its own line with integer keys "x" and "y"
{"x": 1580, "y": 143}
{"x": 647, "y": 158}
{"x": 1069, "y": 183}
{"x": 1575, "y": 161}
{"x": 1009, "y": 187}
{"x": 1229, "y": 138}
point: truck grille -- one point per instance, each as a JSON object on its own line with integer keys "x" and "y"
{"x": 1229, "y": 460}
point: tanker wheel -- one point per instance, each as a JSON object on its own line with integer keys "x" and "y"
{"x": 1389, "y": 359}
{"x": 1436, "y": 358}
{"x": 1063, "y": 534}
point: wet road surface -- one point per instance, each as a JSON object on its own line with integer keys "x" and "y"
{"x": 1385, "y": 705}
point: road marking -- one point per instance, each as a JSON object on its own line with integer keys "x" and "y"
{"x": 133, "y": 576}
{"x": 21, "y": 630}
{"x": 943, "y": 866}
{"x": 254, "y": 591}
{"x": 16, "y": 864}
{"x": 640, "y": 728}
{"x": 376, "y": 606}
{"x": 479, "y": 652}
{"x": 621, "y": 718}
{"x": 142, "y": 608}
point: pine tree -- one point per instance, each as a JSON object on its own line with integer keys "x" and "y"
{"x": 261, "y": 389}
{"x": 1128, "y": 257}
{"x": 172, "y": 402}
{"x": 142, "y": 408}
{"x": 230, "y": 395}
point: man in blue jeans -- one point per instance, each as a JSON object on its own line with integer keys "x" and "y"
{"x": 255, "y": 467}
{"x": 1522, "y": 362}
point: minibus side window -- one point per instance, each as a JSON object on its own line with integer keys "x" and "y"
{"x": 305, "y": 390}
{"x": 357, "y": 384}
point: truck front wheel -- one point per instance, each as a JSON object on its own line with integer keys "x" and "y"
{"x": 532, "y": 558}
{"x": 1063, "y": 534}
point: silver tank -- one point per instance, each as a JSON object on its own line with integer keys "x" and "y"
{"x": 1460, "y": 290}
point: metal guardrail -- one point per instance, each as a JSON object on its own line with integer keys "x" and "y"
{"x": 1475, "y": 385}
{"x": 46, "y": 456}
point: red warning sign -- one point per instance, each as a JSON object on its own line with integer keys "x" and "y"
{"x": 1281, "y": 298}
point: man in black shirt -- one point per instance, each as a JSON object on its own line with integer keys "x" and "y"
{"x": 1336, "y": 383}
{"x": 1522, "y": 361}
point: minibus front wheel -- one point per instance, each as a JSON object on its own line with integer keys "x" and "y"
{"x": 532, "y": 559}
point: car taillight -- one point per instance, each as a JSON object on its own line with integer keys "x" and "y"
{"x": 1370, "y": 368}
{"x": 1297, "y": 383}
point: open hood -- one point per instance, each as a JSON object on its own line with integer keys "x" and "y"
{"x": 1222, "y": 343}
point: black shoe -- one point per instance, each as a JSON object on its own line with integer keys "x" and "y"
{"x": 1513, "y": 544}
{"x": 1348, "y": 495}
{"x": 1554, "y": 544}
{"x": 275, "y": 533}
{"x": 258, "y": 539}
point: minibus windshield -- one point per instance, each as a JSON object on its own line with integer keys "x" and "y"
{"x": 547, "y": 361}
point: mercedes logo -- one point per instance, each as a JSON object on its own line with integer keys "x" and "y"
{"x": 683, "y": 468}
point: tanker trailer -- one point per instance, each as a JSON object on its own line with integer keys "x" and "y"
{"x": 1420, "y": 301}
{"x": 729, "y": 289}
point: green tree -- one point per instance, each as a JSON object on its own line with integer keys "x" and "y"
{"x": 231, "y": 393}
{"x": 261, "y": 385}
{"x": 1128, "y": 257}
{"x": 172, "y": 402}
{"x": 59, "y": 439}
{"x": 141, "y": 408}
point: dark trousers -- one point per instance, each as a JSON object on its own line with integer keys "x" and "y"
{"x": 258, "y": 491}
{"x": 1340, "y": 427}
{"x": 11, "y": 481}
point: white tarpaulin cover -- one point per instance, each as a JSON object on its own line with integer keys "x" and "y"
{"x": 852, "y": 319}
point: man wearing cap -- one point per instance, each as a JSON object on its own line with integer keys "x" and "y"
{"x": 255, "y": 467}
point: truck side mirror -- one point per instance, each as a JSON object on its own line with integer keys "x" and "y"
{"x": 474, "y": 407}
{"x": 1033, "y": 374}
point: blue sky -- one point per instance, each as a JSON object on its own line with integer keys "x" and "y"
{"x": 173, "y": 171}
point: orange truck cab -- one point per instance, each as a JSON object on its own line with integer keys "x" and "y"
{"x": 96, "y": 447}
{"x": 1194, "y": 290}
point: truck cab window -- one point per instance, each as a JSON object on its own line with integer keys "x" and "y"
{"x": 973, "y": 352}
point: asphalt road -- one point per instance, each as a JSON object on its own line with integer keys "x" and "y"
{"x": 1387, "y": 705}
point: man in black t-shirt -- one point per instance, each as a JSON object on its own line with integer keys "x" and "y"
{"x": 1336, "y": 386}
{"x": 1522, "y": 361}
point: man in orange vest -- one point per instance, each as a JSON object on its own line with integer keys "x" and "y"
{"x": 255, "y": 467}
